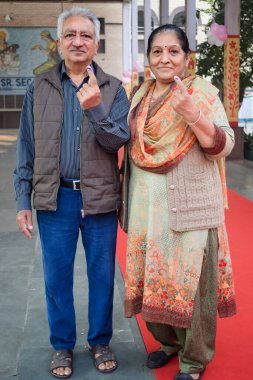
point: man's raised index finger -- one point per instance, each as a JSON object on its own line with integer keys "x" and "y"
{"x": 92, "y": 79}
{"x": 180, "y": 84}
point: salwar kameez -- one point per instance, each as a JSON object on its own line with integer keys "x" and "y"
{"x": 176, "y": 278}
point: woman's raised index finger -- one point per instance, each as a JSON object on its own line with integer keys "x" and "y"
{"x": 180, "y": 84}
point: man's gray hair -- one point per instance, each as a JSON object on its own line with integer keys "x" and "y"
{"x": 78, "y": 11}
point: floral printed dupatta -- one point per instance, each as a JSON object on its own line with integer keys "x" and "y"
{"x": 161, "y": 137}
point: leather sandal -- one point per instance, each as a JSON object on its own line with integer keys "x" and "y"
{"x": 101, "y": 354}
{"x": 61, "y": 359}
{"x": 159, "y": 358}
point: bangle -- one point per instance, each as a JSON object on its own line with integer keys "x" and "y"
{"x": 195, "y": 122}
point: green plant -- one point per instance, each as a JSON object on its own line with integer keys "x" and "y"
{"x": 211, "y": 58}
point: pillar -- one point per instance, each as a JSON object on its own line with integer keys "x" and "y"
{"x": 232, "y": 61}
{"x": 191, "y": 30}
{"x": 164, "y": 12}
{"x": 231, "y": 73}
{"x": 135, "y": 74}
{"x": 127, "y": 56}
{"x": 147, "y": 32}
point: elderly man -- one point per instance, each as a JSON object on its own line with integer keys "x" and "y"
{"x": 72, "y": 124}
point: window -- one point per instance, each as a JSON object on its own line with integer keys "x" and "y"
{"x": 141, "y": 20}
{"x": 154, "y": 24}
{"x": 101, "y": 49}
{"x": 102, "y": 25}
{"x": 179, "y": 19}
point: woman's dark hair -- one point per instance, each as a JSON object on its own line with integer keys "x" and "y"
{"x": 182, "y": 37}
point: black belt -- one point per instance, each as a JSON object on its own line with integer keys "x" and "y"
{"x": 71, "y": 184}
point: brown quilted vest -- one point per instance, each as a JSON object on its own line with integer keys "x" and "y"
{"x": 99, "y": 169}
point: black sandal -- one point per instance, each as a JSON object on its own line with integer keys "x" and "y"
{"x": 105, "y": 355}
{"x": 64, "y": 359}
{"x": 159, "y": 358}
{"x": 187, "y": 376}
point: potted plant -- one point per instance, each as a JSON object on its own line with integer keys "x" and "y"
{"x": 248, "y": 146}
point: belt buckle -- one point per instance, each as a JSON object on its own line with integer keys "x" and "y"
{"x": 75, "y": 185}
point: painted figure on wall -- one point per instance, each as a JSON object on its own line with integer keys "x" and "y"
{"x": 9, "y": 59}
{"x": 3, "y": 39}
{"x": 53, "y": 56}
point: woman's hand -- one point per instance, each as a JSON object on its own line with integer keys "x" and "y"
{"x": 183, "y": 103}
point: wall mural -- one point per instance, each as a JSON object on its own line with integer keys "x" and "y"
{"x": 24, "y": 53}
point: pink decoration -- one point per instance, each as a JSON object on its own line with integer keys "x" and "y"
{"x": 126, "y": 80}
{"x": 217, "y": 34}
{"x": 127, "y": 74}
{"x": 138, "y": 66}
{"x": 214, "y": 28}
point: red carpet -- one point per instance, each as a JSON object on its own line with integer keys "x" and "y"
{"x": 234, "y": 345}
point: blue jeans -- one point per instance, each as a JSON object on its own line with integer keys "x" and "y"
{"x": 59, "y": 232}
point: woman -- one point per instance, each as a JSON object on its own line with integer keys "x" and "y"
{"x": 177, "y": 250}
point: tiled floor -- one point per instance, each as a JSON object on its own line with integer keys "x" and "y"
{"x": 24, "y": 346}
{"x": 240, "y": 177}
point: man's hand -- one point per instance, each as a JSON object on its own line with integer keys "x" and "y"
{"x": 89, "y": 94}
{"x": 25, "y": 223}
{"x": 183, "y": 103}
